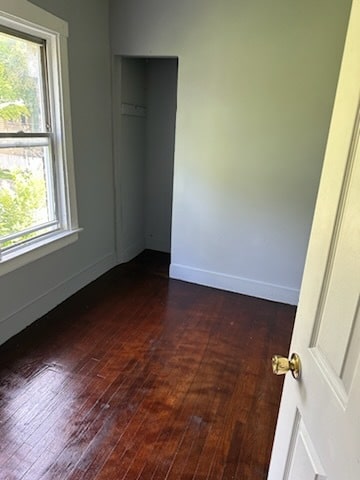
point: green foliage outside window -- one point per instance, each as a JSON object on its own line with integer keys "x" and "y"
{"x": 22, "y": 194}
{"x": 18, "y": 92}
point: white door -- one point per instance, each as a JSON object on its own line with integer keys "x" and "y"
{"x": 318, "y": 431}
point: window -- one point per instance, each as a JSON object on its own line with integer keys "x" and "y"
{"x": 37, "y": 195}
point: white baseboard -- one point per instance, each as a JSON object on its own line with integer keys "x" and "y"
{"x": 235, "y": 284}
{"x": 34, "y": 310}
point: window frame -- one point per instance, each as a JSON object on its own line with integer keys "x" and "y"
{"x": 28, "y": 19}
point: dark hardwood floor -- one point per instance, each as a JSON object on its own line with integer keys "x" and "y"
{"x": 142, "y": 377}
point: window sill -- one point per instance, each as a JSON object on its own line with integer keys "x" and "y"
{"x": 14, "y": 260}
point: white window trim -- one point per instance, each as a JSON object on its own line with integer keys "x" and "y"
{"x": 23, "y": 16}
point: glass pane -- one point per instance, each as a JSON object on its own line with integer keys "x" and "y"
{"x": 27, "y": 197}
{"x": 22, "y": 106}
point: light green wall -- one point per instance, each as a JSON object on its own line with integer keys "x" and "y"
{"x": 130, "y": 141}
{"x": 160, "y": 138}
{"x": 256, "y": 85}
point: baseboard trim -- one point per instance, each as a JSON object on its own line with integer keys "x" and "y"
{"x": 35, "y": 309}
{"x": 245, "y": 286}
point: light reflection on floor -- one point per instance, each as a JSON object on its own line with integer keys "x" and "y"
{"x": 38, "y": 413}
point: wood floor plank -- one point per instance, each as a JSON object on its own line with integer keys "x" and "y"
{"x": 139, "y": 377}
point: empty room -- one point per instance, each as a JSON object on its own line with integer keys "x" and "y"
{"x": 160, "y": 165}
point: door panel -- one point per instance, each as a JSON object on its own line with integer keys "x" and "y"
{"x": 336, "y": 326}
{"x": 303, "y": 462}
{"x": 340, "y": 280}
{"x": 352, "y": 354}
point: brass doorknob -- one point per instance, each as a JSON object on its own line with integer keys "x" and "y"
{"x": 282, "y": 365}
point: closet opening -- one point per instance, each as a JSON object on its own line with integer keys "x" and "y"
{"x": 145, "y": 99}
